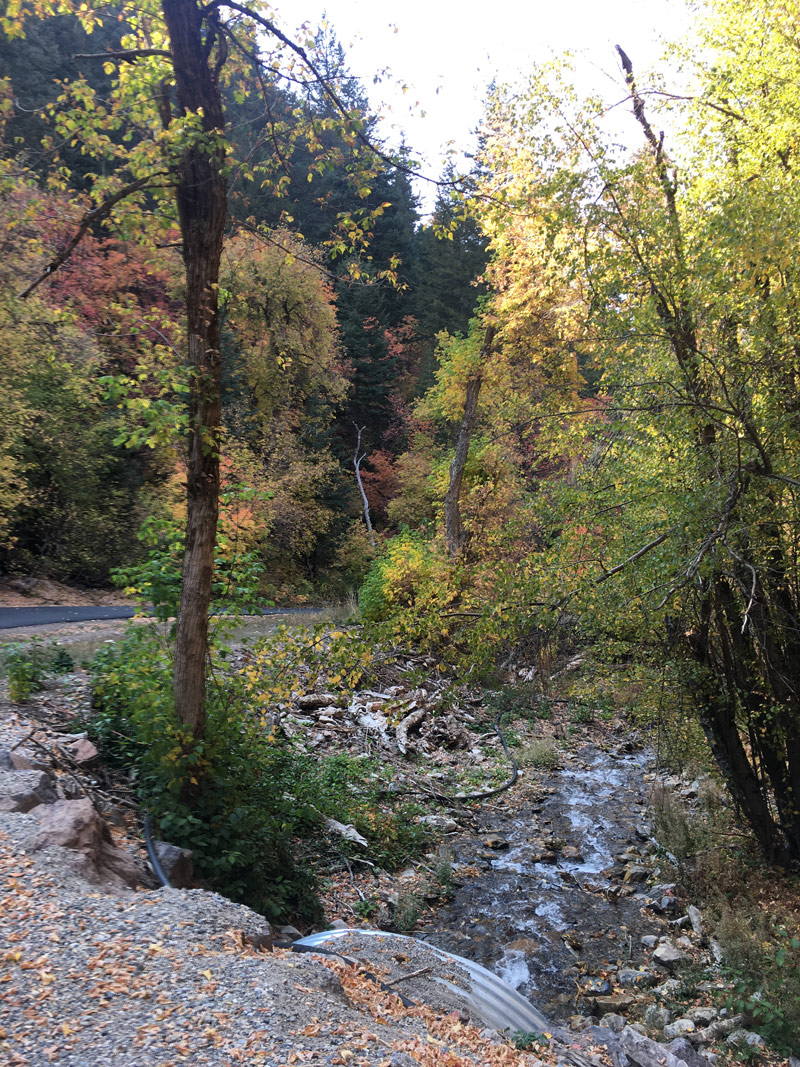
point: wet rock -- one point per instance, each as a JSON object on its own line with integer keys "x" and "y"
{"x": 656, "y": 1017}
{"x": 613, "y": 1022}
{"x": 668, "y": 956}
{"x": 176, "y": 863}
{"x": 523, "y": 944}
{"x": 495, "y": 842}
{"x": 745, "y": 1039}
{"x": 25, "y": 790}
{"x": 680, "y": 1028}
{"x": 570, "y": 852}
{"x": 635, "y": 873}
{"x": 74, "y": 824}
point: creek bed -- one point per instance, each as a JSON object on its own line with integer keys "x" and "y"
{"x": 549, "y": 905}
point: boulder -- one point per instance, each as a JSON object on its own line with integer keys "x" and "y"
{"x": 635, "y": 979}
{"x": 616, "y": 1003}
{"x": 656, "y": 1017}
{"x": 25, "y": 790}
{"x": 696, "y": 919}
{"x": 745, "y": 1039}
{"x": 686, "y": 1051}
{"x": 680, "y": 1028}
{"x": 613, "y": 1022}
{"x": 82, "y": 751}
{"x": 668, "y": 956}
{"x": 176, "y": 863}
{"x": 644, "y": 1052}
{"x": 441, "y": 824}
{"x": 74, "y": 824}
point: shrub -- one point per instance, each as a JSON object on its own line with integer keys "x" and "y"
{"x": 27, "y": 666}
{"x": 244, "y": 799}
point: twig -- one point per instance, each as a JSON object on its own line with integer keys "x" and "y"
{"x": 411, "y": 974}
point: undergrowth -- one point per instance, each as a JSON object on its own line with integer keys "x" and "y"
{"x": 248, "y": 802}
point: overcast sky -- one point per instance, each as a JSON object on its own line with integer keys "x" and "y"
{"x": 447, "y": 52}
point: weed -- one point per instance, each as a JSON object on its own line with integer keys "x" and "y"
{"x": 407, "y": 912}
{"x": 365, "y": 909}
{"x": 526, "y": 1039}
{"x": 27, "y": 666}
{"x": 540, "y": 754}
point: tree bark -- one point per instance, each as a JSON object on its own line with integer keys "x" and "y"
{"x": 454, "y": 528}
{"x": 202, "y": 210}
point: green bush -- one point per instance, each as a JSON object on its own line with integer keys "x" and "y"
{"x": 27, "y": 666}
{"x": 244, "y": 799}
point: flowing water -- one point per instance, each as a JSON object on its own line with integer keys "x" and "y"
{"x": 548, "y": 906}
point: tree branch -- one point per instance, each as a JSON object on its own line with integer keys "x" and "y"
{"x": 125, "y": 55}
{"x": 86, "y": 222}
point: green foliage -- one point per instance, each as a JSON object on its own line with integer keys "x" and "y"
{"x": 527, "y": 1039}
{"x": 407, "y": 912}
{"x": 27, "y": 666}
{"x": 765, "y": 984}
{"x": 249, "y": 803}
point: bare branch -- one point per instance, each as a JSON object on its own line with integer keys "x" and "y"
{"x": 125, "y": 55}
{"x": 636, "y": 555}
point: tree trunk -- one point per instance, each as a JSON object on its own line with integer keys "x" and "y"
{"x": 453, "y": 526}
{"x": 202, "y": 210}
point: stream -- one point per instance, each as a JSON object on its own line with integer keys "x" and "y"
{"x": 548, "y": 907}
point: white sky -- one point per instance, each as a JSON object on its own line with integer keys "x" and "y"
{"x": 447, "y": 52}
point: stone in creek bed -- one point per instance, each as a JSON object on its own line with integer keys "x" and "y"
{"x": 495, "y": 842}
{"x": 570, "y": 852}
{"x": 616, "y": 1003}
{"x": 668, "y": 956}
{"x": 596, "y": 987}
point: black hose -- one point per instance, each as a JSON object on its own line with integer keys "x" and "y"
{"x": 158, "y": 870}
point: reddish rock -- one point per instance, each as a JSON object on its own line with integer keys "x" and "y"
{"x": 74, "y": 824}
{"x": 82, "y": 751}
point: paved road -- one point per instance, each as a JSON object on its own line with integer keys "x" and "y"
{"x": 11, "y": 618}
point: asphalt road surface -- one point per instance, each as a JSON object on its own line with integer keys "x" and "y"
{"x": 12, "y": 618}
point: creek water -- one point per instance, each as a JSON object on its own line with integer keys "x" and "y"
{"x": 548, "y": 906}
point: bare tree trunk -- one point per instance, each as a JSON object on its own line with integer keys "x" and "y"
{"x": 357, "y": 460}
{"x": 453, "y": 526}
{"x": 202, "y": 210}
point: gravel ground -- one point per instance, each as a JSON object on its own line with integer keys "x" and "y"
{"x": 157, "y": 978}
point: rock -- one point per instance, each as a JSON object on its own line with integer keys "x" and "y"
{"x": 635, "y": 979}
{"x": 644, "y": 1052}
{"x": 570, "y": 852}
{"x": 745, "y": 1039}
{"x": 649, "y": 940}
{"x": 290, "y": 933}
{"x": 667, "y": 990}
{"x": 338, "y": 924}
{"x": 668, "y": 956}
{"x": 577, "y": 1023}
{"x": 616, "y": 1003}
{"x": 636, "y": 873}
{"x": 702, "y": 1015}
{"x": 312, "y": 701}
{"x": 260, "y": 937}
{"x": 82, "y": 751}
{"x": 596, "y": 986}
{"x": 523, "y": 944}
{"x": 176, "y": 863}
{"x": 25, "y": 790}
{"x": 613, "y": 1022}
{"x": 680, "y": 1028}
{"x": 716, "y": 951}
{"x": 686, "y": 1051}
{"x": 74, "y": 824}
{"x": 656, "y": 1017}
{"x": 6, "y": 763}
{"x": 442, "y": 824}
{"x": 696, "y": 919}
{"x": 494, "y": 842}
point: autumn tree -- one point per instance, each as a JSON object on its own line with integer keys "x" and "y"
{"x": 162, "y": 133}
{"x": 680, "y": 529}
